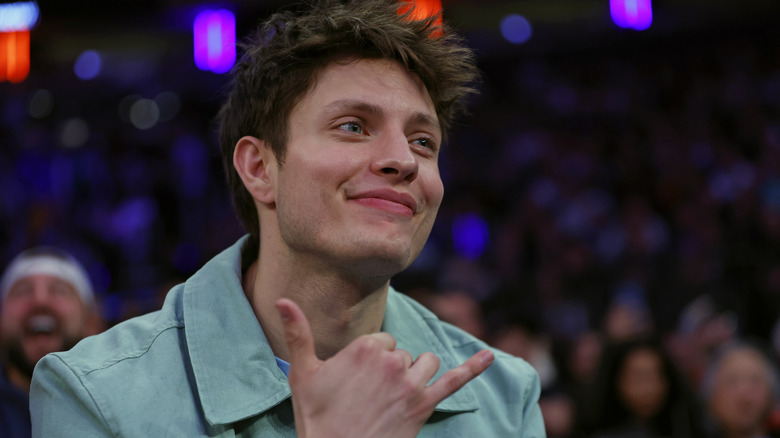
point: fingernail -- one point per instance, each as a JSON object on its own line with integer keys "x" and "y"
{"x": 487, "y": 357}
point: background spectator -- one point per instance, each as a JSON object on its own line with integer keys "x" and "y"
{"x": 741, "y": 391}
{"x": 46, "y": 305}
{"x": 641, "y": 394}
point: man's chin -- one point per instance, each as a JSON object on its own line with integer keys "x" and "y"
{"x": 35, "y": 349}
{"x": 25, "y": 354}
{"x": 381, "y": 264}
{"x": 41, "y": 345}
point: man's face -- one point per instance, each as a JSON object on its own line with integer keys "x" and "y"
{"x": 642, "y": 384}
{"x": 40, "y": 315}
{"x": 360, "y": 183}
{"x": 742, "y": 397}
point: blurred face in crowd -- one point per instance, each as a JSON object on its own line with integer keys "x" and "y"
{"x": 41, "y": 314}
{"x": 460, "y": 310}
{"x": 642, "y": 385}
{"x": 558, "y": 413}
{"x": 586, "y": 356}
{"x": 516, "y": 341}
{"x": 741, "y": 395}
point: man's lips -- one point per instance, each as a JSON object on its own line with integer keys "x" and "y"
{"x": 387, "y": 199}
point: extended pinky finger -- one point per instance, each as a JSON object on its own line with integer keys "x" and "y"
{"x": 455, "y": 378}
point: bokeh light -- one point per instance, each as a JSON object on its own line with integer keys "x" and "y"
{"x": 470, "y": 235}
{"x": 41, "y": 104}
{"x": 214, "y": 35}
{"x": 144, "y": 113}
{"x": 631, "y": 14}
{"x": 73, "y": 133}
{"x": 516, "y": 29}
{"x": 14, "y": 55}
{"x": 423, "y": 9}
{"x": 18, "y": 16}
{"x": 88, "y": 65}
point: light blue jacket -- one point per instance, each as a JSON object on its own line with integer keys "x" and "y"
{"x": 201, "y": 366}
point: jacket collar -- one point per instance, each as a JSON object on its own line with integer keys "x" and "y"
{"x": 233, "y": 365}
{"x": 234, "y": 368}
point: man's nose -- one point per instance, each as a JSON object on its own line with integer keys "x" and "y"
{"x": 396, "y": 159}
{"x": 40, "y": 295}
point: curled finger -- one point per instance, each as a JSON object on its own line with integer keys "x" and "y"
{"x": 405, "y": 356}
{"x": 386, "y": 340}
{"x": 424, "y": 368}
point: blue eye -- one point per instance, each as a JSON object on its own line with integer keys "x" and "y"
{"x": 353, "y": 127}
{"x": 425, "y": 142}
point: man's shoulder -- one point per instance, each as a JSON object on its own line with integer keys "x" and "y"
{"x": 507, "y": 371}
{"x": 508, "y": 389}
{"x": 130, "y": 339}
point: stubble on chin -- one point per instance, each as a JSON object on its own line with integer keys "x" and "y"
{"x": 23, "y": 361}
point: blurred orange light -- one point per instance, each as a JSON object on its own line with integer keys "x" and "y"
{"x": 14, "y": 56}
{"x": 422, "y": 9}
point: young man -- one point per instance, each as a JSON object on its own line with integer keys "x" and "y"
{"x": 331, "y": 136}
{"x": 46, "y": 305}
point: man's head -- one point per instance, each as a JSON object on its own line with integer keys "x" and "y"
{"x": 282, "y": 60}
{"x": 46, "y": 306}
{"x": 740, "y": 388}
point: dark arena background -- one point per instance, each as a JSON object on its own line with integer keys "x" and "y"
{"x": 617, "y": 178}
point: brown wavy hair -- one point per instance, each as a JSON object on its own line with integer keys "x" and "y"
{"x": 281, "y": 59}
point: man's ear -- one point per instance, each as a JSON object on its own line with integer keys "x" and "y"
{"x": 256, "y": 165}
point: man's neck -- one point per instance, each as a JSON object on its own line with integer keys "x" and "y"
{"x": 338, "y": 309}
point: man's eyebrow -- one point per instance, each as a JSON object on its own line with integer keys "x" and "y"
{"x": 424, "y": 119}
{"x": 417, "y": 118}
{"x": 354, "y": 104}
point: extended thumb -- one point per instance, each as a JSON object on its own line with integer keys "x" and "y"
{"x": 297, "y": 335}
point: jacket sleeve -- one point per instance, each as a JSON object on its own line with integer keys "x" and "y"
{"x": 60, "y": 404}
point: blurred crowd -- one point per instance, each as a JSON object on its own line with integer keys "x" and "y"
{"x": 631, "y": 195}
{"x": 634, "y": 199}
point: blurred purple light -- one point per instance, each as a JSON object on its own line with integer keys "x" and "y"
{"x": 631, "y": 14}
{"x": 88, "y": 65}
{"x": 516, "y": 29}
{"x": 470, "y": 235}
{"x": 214, "y": 35}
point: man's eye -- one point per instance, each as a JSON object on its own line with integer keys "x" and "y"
{"x": 425, "y": 142}
{"x": 62, "y": 289}
{"x": 353, "y": 127}
{"x": 21, "y": 291}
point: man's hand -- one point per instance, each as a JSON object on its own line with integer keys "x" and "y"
{"x": 369, "y": 389}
